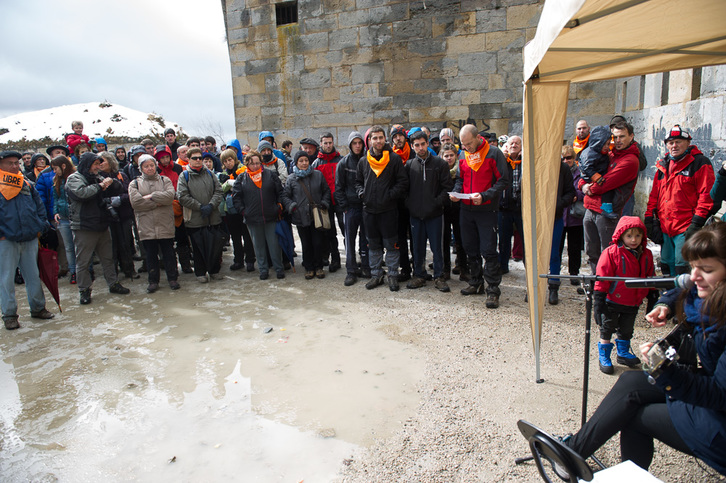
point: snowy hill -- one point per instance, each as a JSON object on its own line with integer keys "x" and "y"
{"x": 100, "y": 119}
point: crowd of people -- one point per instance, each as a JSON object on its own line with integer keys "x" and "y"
{"x": 395, "y": 197}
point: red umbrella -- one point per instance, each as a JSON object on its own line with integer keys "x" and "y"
{"x": 48, "y": 270}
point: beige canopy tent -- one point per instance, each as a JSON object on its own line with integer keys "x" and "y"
{"x": 589, "y": 40}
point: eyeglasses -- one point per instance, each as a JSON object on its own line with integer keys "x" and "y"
{"x": 568, "y": 157}
{"x": 196, "y": 158}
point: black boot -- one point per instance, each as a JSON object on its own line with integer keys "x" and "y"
{"x": 553, "y": 296}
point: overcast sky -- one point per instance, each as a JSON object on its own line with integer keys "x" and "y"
{"x": 164, "y": 56}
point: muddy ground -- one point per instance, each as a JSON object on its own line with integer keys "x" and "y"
{"x": 348, "y": 385}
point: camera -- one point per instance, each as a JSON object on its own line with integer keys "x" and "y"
{"x": 661, "y": 355}
{"x": 106, "y": 202}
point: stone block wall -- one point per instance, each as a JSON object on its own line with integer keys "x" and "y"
{"x": 348, "y": 64}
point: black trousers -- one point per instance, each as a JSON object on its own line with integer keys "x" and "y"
{"x": 243, "y": 252}
{"x": 451, "y": 223}
{"x": 313, "y": 247}
{"x": 152, "y": 247}
{"x": 637, "y": 410}
{"x": 404, "y": 227}
{"x": 479, "y": 237}
{"x": 575, "y": 241}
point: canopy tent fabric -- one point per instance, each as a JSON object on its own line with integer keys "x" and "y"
{"x": 589, "y": 40}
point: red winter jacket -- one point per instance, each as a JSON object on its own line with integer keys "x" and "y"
{"x": 619, "y": 261}
{"x": 622, "y": 174}
{"x": 681, "y": 191}
{"x": 327, "y": 164}
{"x": 490, "y": 180}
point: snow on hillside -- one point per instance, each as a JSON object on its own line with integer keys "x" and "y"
{"x": 99, "y": 119}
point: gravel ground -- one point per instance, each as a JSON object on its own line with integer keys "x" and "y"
{"x": 479, "y": 381}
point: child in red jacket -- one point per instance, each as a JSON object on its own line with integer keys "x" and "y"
{"x": 616, "y": 305}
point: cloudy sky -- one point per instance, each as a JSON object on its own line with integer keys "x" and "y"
{"x": 164, "y": 56}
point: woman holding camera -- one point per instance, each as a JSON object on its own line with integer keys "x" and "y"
{"x": 684, "y": 408}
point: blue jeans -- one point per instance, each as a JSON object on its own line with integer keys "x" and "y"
{"x": 353, "y": 223}
{"x": 23, "y": 255}
{"x": 64, "y": 228}
{"x": 264, "y": 238}
{"x": 555, "y": 253}
{"x": 670, "y": 254}
{"x": 421, "y": 230}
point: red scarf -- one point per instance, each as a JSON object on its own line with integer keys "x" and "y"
{"x": 404, "y": 153}
{"x": 256, "y": 177}
{"x": 475, "y": 160}
{"x": 328, "y": 157}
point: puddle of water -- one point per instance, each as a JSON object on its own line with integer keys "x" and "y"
{"x": 115, "y": 391}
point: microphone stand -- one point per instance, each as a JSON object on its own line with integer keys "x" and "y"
{"x": 587, "y": 283}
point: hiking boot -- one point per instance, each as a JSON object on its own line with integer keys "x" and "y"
{"x": 575, "y": 282}
{"x": 119, "y": 289}
{"x": 350, "y": 280}
{"x": 492, "y": 301}
{"x": 464, "y": 277}
{"x": 11, "y": 322}
{"x": 473, "y": 289}
{"x": 334, "y": 266}
{"x": 86, "y": 296}
{"x": 604, "y": 350}
{"x": 441, "y": 285}
{"x": 202, "y": 279}
{"x": 250, "y": 267}
{"x": 625, "y": 353}
{"x": 42, "y": 314}
{"x": 553, "y": 298}
{"x": 264, "y": 275}
{"x": 365, "y": 273}
{"x": 309, "y": 275}
{"x": 153, "y": 287}
{"x": 281, "y": 274}
{"x": 456, "y": 270}
{"x": 73, "y": 278}
{"x": 403, "y": 277}
{"x": 19, "y": 277}
{"x": 447, "y": 275}
{"x": 416, "y": 282}
{"x": 319, "y": 273}
{"x": 393, "y": 283}
{"x": 174, "y": 285}
{"x": 374, "y": 282}
{"x": 236, "y": 266}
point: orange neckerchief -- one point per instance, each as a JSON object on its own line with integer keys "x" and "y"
{"x": 376, "y": 165}
{"x": 578, "y": 145}
{"x": 404, "y": 153}
{"x": 256, "y": 177}
{"x": 37, "y": 171}
{"x": 10, "y": 184}
{"x": 476, "y": 159}
{"x": 238, "y": 172}
{"x": 513, "y": 162}
{"x": 182, "y": 163}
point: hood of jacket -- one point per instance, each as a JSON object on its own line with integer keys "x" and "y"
{"x": 625, "y": 224}
{"x": 599, "y": 138}
{"x": 235, "y": 144}
{"x": 85, "y": 163}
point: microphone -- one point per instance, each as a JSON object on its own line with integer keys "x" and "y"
{"x": 681, "y": 281}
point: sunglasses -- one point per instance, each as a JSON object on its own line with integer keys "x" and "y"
{"x": 568, "y": 157}
{"x": 196, "y": 158}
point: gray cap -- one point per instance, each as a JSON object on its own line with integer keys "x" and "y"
{"x": 263, "y": 145}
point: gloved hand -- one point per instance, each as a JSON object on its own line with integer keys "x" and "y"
{"x": 696, "y": 224}
{"x": 115, "y": 201}
{"x": 206, "y": 210}
{"x": 600, "y": 307}
{"x": 648, "y": 221}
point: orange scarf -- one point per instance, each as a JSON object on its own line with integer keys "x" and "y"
{"x": 182, "y": 163}
{"x": 256, "y": 177}
{"x": 476, "y": 159}
{"x": 404, "y": 153}
{"x": 10, "y": 184}
{"x": 238, "y": 172}
{"x": 37, "y": 171}
{"x": 578, "y": 145}
{"x": 376, "y": 165}
{"x": 513, "y": 162}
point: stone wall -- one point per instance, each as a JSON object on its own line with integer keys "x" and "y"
{"x": 348, "y": 64}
